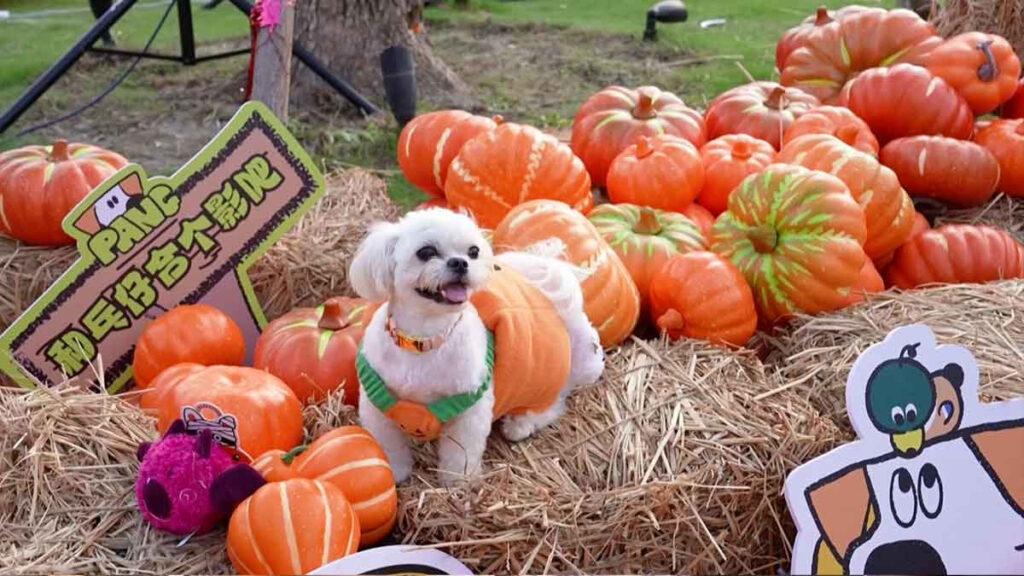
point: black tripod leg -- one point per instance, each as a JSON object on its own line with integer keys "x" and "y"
{"x": 314, "y": 64}
{"x": 58, "y": 68}
{"x": 99, "y": 7}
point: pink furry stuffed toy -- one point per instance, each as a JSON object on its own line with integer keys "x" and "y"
{"x": 188, "y": 483}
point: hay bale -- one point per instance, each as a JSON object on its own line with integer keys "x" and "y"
{"x": 307, "y": 265}
{"x": 815, "y": 353}
{"x": 1002, "y": 17}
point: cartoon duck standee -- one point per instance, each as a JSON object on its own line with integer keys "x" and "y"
{"x": 900, "y": 400}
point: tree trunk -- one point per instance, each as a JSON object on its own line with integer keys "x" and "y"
{"x": 349, "y": 36}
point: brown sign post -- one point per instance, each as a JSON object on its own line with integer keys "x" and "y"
{"x": 149, "y": 244}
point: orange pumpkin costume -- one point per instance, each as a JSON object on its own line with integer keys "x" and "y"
{"x": 528, "y": 360}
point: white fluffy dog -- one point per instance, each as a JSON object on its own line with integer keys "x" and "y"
{"x": 427, "y": 266}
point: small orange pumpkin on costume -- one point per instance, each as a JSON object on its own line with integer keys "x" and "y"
{"x": 292, "y": 527}
{"x": 349, "y": 458}
{"x": 313, "y": 350}
{"x": 39, "y": 185}
{"x": 663, "y": 172}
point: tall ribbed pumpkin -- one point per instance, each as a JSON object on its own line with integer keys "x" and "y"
{"x": 351, "y": 459}
{"x": 292, "y": 527}
{"x": 611, "y": 120}
{"x": 610, "y": 298}
{"x": 888, "y": 209}
{"x": 797, "y": 235}
{"x": 513, "y": 164}
{"x": 39, "y": 185}
{"x": 429, "y": 143}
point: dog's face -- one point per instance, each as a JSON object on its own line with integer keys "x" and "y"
{"x": 428, "y": 262}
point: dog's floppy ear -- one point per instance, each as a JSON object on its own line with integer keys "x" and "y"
{"x": 841, "y": 507}
{"x": 373, "y": 268}
{"x": 1000, "y": 452}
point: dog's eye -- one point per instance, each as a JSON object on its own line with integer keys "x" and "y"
{"x": 473, "y": 252}
{"x": 426, "y": 253}
{"x": 929, "y": 490}
{"x": 902, "y": 497}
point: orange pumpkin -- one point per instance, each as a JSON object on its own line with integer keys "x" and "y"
{"x": 955, "y": 171}
{"x": 1014, "y": 107}
{"x": 983, "y": 68}
{"x": 797, "y": 236}
{"x": 349, "y": 458}
{"x": 702, "y": 295}
{"x": 39, "y": 185}
{"x": 956, "y": 253}
{"x": 248, "y": 410}
{"x": 701, "y": 216}
{"x": 610, "y": 298}
{"x": 662, "y": 172}
{"x": 761, "y": 109}
{"x": 1005, "y": 140}
{"x": 512, "y": 164}
{"x": 644, "y": 238}
{"x": 727, "y": 161}
{"x": 611, "y": 120}
{"x": 195, "y": 333}
{"x": 292, "y": 527}
{"x": 888, "y": 210}
{"x": 429, "y": 143}
{"x": 920, "y": 225}
{"x": 313, "y": 350}
{"x": 834, "y": 121}
{"x": 869, "y": 282}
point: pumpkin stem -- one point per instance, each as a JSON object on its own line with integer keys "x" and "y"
{"x": 671, "y": 322}
{"x": 333, "y": 317}
{"x": 498, "y": 119}
{"x": 648, "y": 223}
{"x": 290, "y": 455}
{"x": 988, "y": 71}
{"x": 643, "y": 147}
{"x": 59, "y": 151}
{"x": 741, "y": 149}
{"x": 821, "y": 17}
{"x": 644, "y": 108}
{"x": 774, "y": 100}
{"x": 764, "y": 238}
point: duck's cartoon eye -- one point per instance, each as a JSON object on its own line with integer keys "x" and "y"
{"x": 902, "y": 497}
{"x": 897, "y": 415}
{"x": 911, "y": 412}
{"x": 929, "y": 490}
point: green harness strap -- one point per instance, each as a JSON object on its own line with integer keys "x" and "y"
{"x": 444, "y": 409}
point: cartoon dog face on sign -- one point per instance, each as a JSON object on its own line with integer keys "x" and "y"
{"x": 934, "y": 478}
{"x": 113, "y": 203}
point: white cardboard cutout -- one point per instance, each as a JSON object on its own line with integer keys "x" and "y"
{"x": 955, "y": 505}
{"x": 407, "y": 560}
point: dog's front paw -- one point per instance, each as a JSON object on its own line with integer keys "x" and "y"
{"x": 515, "y": 429}
{"x": 401, "y": 466}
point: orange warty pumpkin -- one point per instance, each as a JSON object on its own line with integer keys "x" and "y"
{"x": 888, "y": 210}
{"x": 195, "y": 333}
{"x": 834, "y": 121}
{"x": 662, "y": 172}
{"x": 610, "y": 298}
{"x": 955, "y": 171}
{"x": 983, "y": 68}
{"x": 512, "y": 164}
{"x": 644, "y": 238}
{"x": 248, "y": 410}
{"x": 797, "y": 236}
{"x": 761, "y": 109}
{"x": 39, "y": 185}
{"x": 869, "y": 282}
{"x": 701, "y": 216}
{"x": 702, "y": 295}
{"x": 1005, "y": 140}
{"x": 292, "y": 527}
{"x": 727, "y": 161}
{"x": 313, "y": 350}
{"x": 349, "y": 458}
{"x": 956, "y": 253}
{"x": 611, "y": 120}
{"x": 429, "y": 143}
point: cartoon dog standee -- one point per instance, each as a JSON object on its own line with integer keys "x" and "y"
{"x": 934, "y": 483}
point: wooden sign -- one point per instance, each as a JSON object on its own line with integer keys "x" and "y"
{"x": 149, "y": 244}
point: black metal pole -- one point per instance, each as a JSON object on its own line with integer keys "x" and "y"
{"x": 188, "y": 40}
{"x": 314, "y": 64}
{"x": 55, "y": 71}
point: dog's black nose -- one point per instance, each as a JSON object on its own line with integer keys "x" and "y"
{"x": 458, "y": 265}
{"x": 905, "y": 557}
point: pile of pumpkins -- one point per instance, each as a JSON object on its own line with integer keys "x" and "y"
{"x": 337, "y": 492}
{"x": 778, "y": 199}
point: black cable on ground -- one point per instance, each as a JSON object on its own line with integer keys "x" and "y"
{"x": 113, "y": 86}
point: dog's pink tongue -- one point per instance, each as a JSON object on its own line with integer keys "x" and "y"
{"x": 455, "y": 292}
